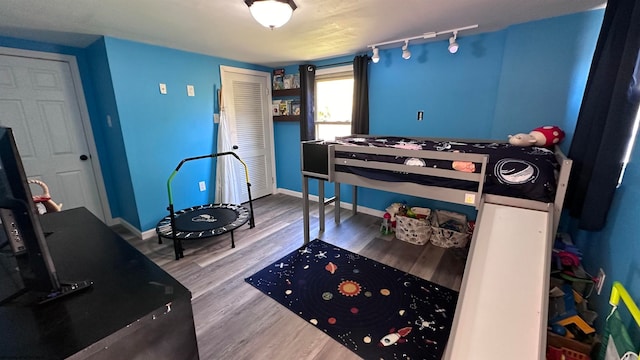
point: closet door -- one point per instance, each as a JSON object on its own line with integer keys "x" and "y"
{"x": 247, "y": 102}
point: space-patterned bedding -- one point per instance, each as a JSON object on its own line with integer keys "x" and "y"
{"x": 522, "y": 172}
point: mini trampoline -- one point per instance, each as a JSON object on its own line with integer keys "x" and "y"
{"x": 203, "y": 221}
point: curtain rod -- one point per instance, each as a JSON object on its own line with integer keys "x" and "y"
{"x": 336, "y": 64}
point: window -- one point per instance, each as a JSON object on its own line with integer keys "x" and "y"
{"x": 334, "y": 98}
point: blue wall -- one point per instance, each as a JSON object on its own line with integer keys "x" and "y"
{"x": 497, "y": 84}
{"x": 158, "y": 131}
{"x": 113, "y": 158}
{"x": 615, "y": 249}
{"x": 544, "y": 71}
{"x": 457, "y": 92}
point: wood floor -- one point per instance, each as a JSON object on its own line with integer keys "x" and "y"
{"x": 234, "y": 320}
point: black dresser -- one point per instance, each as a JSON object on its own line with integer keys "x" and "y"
{"x": 134, "y": 310}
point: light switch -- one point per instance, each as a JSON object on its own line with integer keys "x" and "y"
{"x": 163, "y": 89}
{"x": 191, "y": 91}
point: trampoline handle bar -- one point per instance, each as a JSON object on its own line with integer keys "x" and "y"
{"x": 175, "y": 172}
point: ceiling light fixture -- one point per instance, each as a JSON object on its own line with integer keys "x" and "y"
{"x": 271, "y": 13}
{"x": 375, "y": 57}
{"x": 453, "y": 45}
{"x": 406, "y": 54}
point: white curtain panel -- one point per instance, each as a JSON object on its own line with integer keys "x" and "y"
{"x": 229, "y": 177}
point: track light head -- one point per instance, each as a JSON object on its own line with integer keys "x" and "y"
{"x": 376, "y": 57}
{"x": 406, "y": 54}
{"x": 453, "y": 45}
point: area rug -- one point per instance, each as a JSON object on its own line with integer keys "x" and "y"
{"x": 375, "y": 310}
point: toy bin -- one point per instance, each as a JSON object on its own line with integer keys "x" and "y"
{"x": 449, "y": 229}
{"x": 414, "y": 230}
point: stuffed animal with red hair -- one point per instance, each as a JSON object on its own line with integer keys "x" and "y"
{"x": 546, "y": 136}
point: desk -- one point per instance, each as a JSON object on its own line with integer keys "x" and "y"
{"x": 134, "y": 309}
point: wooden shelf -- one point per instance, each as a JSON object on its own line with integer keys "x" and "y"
{"x": 286, "y": 118}
{"x": 286, "y": 92}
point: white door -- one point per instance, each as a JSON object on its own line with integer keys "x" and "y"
{"x": 38, "y": 100}
{"x": 247, "y": 99}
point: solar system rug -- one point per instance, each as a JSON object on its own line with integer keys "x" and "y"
{"x": 375, "y": 310}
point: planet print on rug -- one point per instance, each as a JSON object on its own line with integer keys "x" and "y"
{"x": 375, "y": 310}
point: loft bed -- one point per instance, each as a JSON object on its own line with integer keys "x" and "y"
{"x": 519, "y": 194}
{"x": 453, "y": 170}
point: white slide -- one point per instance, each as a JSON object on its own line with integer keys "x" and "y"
{"x": 503, "y": 304}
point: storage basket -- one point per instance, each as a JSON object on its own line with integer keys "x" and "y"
{"x": 449, "y": 229}
{"x": 412, "y": 230}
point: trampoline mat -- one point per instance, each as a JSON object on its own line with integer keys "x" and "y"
{"x": 204, "y": 221}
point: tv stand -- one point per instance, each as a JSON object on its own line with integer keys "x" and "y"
{"x": 66, "y": 288}
{"x": 131, "y": 308}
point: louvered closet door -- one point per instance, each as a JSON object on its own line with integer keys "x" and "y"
{"x": 247, "y": 103}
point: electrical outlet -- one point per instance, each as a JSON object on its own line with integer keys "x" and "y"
{"x": 163, "y": 89}
{"x": 600, "y": 280}
{"x": 191, "y": 91}
{"x": 202, "y": 185}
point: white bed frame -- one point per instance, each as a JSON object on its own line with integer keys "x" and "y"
{"x": 503, "y": 303}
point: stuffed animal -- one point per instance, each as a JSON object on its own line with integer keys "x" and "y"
{"x": 522, "y": 140}
{"x": 540, "y": 136}
{"x": 547, "y": 135}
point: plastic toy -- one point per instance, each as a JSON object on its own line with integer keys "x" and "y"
{"x": 49, "y": 205}
{"x": 385, "y": 227}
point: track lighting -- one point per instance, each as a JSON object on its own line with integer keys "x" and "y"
{"x": 376, "y": 57}
{"x": 453, "y": 45}
{"x": 406, "y": 54}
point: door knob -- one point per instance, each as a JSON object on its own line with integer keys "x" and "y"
{"x": 84, "y": 157}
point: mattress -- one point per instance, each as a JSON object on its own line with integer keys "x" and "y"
{"x": 513, "y": 171}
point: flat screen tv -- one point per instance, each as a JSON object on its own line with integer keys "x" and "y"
{"x": 23, "y": 232}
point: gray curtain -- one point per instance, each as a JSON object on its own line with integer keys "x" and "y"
{"x": 360, "y": 112}
{"x": 307, "y": 103}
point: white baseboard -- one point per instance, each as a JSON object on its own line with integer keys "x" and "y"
{"x": 343, "y": 205}
{"x": 143, "y": 235}
{"x": 151, "y": 233}
{"x": 126, "y": 224}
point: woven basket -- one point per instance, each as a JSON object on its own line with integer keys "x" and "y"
{"x": 449, "y": 229}
{"x": 415, "y": 231}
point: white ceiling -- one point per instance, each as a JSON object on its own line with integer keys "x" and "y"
{"x": 319, "y": 29}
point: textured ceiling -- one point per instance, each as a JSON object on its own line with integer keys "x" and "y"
{"x": 319, "y": 29}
